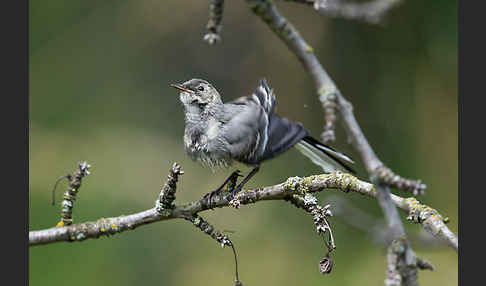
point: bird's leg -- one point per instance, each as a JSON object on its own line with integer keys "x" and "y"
{"x": 232, "y": 184}
{"x": 245, "y": 180}
{"x": 232, "y": 179}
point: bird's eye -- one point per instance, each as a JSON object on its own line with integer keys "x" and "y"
{"x": 200, "y": 88}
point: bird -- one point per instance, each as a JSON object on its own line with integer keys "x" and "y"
{"x": 247, "y": 130}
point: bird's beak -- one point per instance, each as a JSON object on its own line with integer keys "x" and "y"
{"x": 180, "y": 87}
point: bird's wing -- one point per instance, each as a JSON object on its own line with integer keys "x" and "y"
{"x": 282, "y": 133}
{"x": 263, "y": 95}
{"x": 245, "y": 129}
{"x": 260, "y": 132}
{"x": 257, "y": 133}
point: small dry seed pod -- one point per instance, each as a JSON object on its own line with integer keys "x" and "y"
{"x": 325, "y": 265}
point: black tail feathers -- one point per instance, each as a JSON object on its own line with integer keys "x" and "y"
{"x": 337, "y": 156}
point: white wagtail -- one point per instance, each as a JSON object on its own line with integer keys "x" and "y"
{"x": 246, "y": 130}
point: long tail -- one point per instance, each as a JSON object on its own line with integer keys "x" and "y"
{"x": 324, "y": 156}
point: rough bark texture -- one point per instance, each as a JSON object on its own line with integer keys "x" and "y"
{"x": 295, "y": 185}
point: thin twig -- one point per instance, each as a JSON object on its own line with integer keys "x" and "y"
{"x": 167, "y": 194}
{"x": 371, "y": 11}
{"x": 386, "y": 176}
{"x": 403, "y": 265}
{"x": 214, "y": 25}
{"x": 236, "y": 263}
{"x": 70, "y": 195}
{"x": 310, "y": 204}
{"x": 210, "y": 230}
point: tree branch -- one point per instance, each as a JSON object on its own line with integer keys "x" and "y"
{"x": 224, "y": 240}
{"x": 214, "y": 25}
{"x": 338, "y": 181}
{"x": 310, "y": 204}
{"x": 167, "y": 194}
{"x": 403, "y": 265}
{"x": 371, "y": 11}
{"x": 70, "y": 195}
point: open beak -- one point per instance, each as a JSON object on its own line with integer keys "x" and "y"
{"x": 180, "y": 87}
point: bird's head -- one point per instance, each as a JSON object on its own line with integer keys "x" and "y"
{"x": 198, "y": 93}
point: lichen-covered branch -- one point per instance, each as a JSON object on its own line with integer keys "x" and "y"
{"x": 110, "y": 226}
{"x": 222, "y": 239}
{"x": 329, "y": 105}
{"x": 310, "y": 204}
{"x": 424, "y": 215}
{"x": 386, "y": 176}
{"x": 208, "y": 229}
{"x": 214, "y": 25}
{"x": 430, "y": 219}
{"x": 94, "y": 229}
{"x": 165, "y": 203}
{"x": 403, "y": 265}
{"x": 393, "y": 277}
{"x": 70, "y": 195}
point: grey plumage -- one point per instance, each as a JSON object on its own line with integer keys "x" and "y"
{"x": 246, "y": 130}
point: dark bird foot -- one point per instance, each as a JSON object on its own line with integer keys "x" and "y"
{"x": 232, "y": 179}
{"x": 236, "y": 190}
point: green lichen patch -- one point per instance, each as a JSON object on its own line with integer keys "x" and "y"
{"x": 419, "y": 213}
{"x": 309, "y": 49}
{"x": 292, "y": 183}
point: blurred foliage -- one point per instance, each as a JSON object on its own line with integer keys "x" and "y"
{"x": 99, "y": 75}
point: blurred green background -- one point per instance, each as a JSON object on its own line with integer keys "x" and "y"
{"x": 99, "y": 75}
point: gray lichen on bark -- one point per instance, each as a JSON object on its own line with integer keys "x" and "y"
{"x": 165, "y": 203}
{"x": 214, "y": 25}
{"x": 69, "y": 197}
